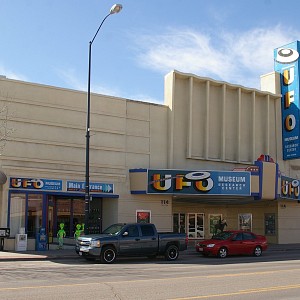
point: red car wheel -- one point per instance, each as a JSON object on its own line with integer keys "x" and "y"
{"x": 257, "y": 251}
{"x": 223, "y": 252}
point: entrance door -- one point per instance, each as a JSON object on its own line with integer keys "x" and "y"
{"x": 179, "y": 222}
{"x": 195, "y": 225}
{"x": 78, "y": 214}
{"x": 63, "y": 214}
{"x": 50, "y": 224}
{"x": 70, "y": 212}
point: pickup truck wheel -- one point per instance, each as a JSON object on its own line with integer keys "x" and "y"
{"x": 108, "y": 255}
{"x": 172, "y": 252}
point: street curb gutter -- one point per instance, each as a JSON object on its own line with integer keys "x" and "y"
{"x": 71, "y": 254}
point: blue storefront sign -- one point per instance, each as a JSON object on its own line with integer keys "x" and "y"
{"x": 199, "y": 182}
{"x": 95, "y": 187}
{"x": 36, "y": 184}
{"x": 287, "y": 64}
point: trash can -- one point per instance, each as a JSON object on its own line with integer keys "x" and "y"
{"x": 4, "y": 233}
{"x": 41, "y": 240}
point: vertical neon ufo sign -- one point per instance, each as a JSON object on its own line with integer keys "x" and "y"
{"x": 287, "y": 64}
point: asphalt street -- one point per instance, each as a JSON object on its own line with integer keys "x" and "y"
{"x": 69, "y": 252}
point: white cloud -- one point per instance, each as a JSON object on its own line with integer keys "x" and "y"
{"x": 235, "y": 57}
{"x": 239, "y": 57}
{"x": 144, "y": 98}
{"x": 72, "y": 81}
{"x": 70, "y": 78}
{"x": 11, "y": 75}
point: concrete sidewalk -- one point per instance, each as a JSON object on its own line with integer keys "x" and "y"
{"x": 37, "y": 255}
{"x": 69, "y": 253}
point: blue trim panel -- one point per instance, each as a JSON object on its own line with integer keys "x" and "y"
{"x": 138, "y": 192}
{"x": 260, "y": 180}
{"x": 138, "y": 170}
{"x": 95, "y": 195}
{"x": 276, "y": 183}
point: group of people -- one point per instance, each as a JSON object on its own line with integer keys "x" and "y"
{"x": 61, "y": 234}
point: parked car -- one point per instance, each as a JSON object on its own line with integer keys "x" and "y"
{"x": 233, "y": 242}
{"x": 134, "y": 239}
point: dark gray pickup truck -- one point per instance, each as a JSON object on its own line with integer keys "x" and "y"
{"x": 134, "y": 239}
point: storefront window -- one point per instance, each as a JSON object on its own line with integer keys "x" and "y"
{"x": 26, "y": 211}
{"x": 17, "y": 213}
{"x": 175, "y": 222}
{"x": 270, "y": 228}
{"x": 143, "y": 216}
{"x": 34, "y": 214}
{"x": 78, "y": 213}
{"x": 245, "y": 222}
{"x": 214, "y": 221}
{"x": 63, "y": 207}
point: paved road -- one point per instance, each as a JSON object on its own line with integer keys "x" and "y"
{"x": 68, "y": 252}
{"x": 275, "y": 275}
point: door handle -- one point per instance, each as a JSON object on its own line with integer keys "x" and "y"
{"x": 137, "y": 239}
{"x": 154, "y": 238}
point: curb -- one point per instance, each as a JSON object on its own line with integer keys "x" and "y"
{"x": 32, "y": 257}
{"x": 69, "y": 254}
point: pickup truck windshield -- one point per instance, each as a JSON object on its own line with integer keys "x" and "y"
{"x": 113, "y": 229}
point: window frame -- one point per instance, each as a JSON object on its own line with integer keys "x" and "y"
{"x": 26, "y": 193}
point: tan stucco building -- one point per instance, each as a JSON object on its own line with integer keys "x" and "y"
{"x": 216, "y": 129}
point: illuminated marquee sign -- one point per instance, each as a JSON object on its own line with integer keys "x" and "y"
{"x": 290, "y": 188}
{"x": 36, "y": 184}
{"x": 287, "y": 64}
{"x": 199, "y": 182}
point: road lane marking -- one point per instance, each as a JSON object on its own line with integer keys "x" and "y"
{"x": 154, "y": 279}
{"x": 242, "y": 292}
{"x": 242, "y": 274}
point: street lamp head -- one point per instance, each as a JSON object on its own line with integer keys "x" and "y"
{"x": 116, "y": 8}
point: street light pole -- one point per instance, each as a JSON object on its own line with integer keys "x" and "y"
{"x": 116, "y": 8}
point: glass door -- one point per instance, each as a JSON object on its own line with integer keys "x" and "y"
{"x": 63, "y": 214}
{"x": 195, "y": 225}
{"x": 78, "y": 215}
{"x": 50, "y": 224}
{"x": 70, "y": 213}
{"x": 200, "y": 226}
{"x": 179, "y": 222}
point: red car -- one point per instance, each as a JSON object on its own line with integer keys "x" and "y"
{"x": 233, "y": 242}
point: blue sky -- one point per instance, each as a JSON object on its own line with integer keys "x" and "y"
{"x": 46, "y": 41}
